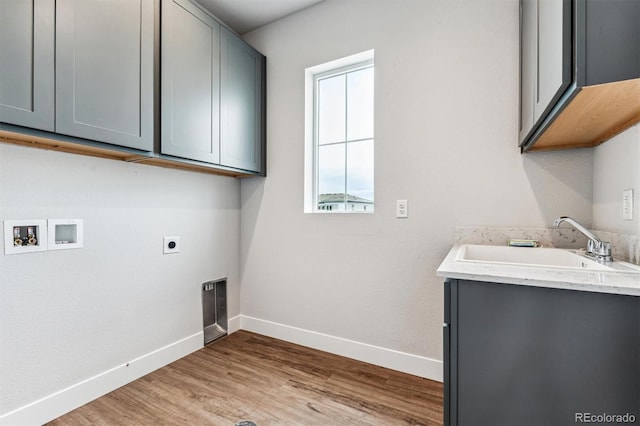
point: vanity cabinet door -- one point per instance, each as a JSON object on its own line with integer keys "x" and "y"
{"x": 190, "y": 82}
{"x": 530, "y": 355}
{"x": 27, "y": 63}
{"x": 105, "y": 71}
{"x": 241, "y": 105}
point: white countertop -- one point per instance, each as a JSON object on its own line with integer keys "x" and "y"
{"x": 613, "y": 282}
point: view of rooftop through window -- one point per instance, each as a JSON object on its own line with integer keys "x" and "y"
{"x": 344, "y": 139}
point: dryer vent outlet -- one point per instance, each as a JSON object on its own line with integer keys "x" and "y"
{"x": 214, "y": 310}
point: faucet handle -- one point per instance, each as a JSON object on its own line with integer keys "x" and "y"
{"x": 603, "y": 251}
{"x": 603, "y": 248}
{"x": 591, "y": 246}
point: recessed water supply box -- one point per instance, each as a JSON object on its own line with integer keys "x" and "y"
{"x": 65, "y": 234}
{"x": 25, "y": 236}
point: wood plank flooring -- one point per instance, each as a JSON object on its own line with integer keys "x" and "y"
{"x": 246, "y": 376}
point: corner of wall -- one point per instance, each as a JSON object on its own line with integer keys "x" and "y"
{"x": 616, "y": 167}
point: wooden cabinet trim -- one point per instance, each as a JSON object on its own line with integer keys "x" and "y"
{"x": 596, "y": 114}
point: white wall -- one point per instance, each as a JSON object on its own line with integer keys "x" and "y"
{"x": 446, "y": 137}
{"x": 69, "y": 315}
{"x": 616, "y": 167}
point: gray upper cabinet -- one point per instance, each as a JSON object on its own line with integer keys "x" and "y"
{"x": 528, "y": 66}
{"x": 579, "y": 71}
{"x": 545, "y": 46}
{"x": 27, "y": 63}
{"x": 105, "y": 71}
{"x": 212, "y": 91}
{"x": 241, "y": 105}
{"x": 190, "y": 82}
{"x": 553, "y": 53}
{"x": 153, "y": 81}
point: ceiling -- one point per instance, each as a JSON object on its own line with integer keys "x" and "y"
{"x": 246, "y": 15}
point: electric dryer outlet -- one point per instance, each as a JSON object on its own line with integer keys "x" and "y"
{"x": 171, "y": 245}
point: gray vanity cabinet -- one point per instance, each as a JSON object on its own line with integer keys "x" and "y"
{"x": 105, "y": 71}
{"x": 522, "y": 355}
{"x": 241, "y": 104}
{"x": 190, "y": 82}
{"x": 27, "y": 63}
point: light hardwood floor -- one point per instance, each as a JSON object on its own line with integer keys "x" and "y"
{"x": 246, "y": 376}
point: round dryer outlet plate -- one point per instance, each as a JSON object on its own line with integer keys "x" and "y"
{"x": 171, "y": 245}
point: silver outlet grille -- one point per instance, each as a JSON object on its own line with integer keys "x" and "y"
{"x": 214, "y": 310}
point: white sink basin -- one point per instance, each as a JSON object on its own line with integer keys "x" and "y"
{"x": 539, "y": 256}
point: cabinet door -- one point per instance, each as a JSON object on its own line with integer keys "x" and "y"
{"x": 104, "y": 71}
{"x": 241, "y": 104}
{"x": 27, "y": 63}
{"x": 553, "y": 54}
{"x": 190, "y": 82}
{"x": 528, "y": 58}
{"x": 538, "y": 356}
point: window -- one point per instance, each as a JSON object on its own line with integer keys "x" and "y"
{"x": 340, "y": 141}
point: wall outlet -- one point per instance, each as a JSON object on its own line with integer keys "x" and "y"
{"x": 627, "y": 204}
{"x": 171, "y": 245}
{"x": 402, "y": 209}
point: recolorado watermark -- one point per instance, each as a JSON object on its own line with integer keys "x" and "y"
{"x": 604, "y": 418}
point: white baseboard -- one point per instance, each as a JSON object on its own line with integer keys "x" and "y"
{"x": 65, "y": 400}
{"x": 233, "y": 324}
{"x": 408, "y": 363}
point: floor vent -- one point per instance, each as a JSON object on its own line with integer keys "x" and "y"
{"x": 245, "y": 423}
{"x": 214, "y": 310}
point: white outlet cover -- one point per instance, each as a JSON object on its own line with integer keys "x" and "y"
{"x": 627, "y": 204}
{"x": 166, "y": 247}
{"x": 402, "y": 209}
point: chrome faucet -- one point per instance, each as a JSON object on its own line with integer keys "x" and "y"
{"x": 596, "y": 248}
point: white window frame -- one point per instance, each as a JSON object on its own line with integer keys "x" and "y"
{"x": 312, "y": 75}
